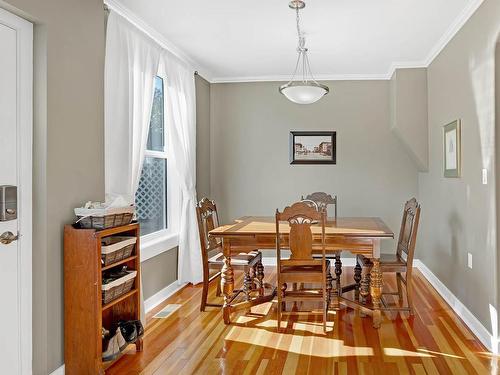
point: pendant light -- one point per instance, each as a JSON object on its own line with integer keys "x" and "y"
{"x": 307, "y": 90}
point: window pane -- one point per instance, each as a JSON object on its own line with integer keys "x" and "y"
{"x": 156, "y": 137}
{"x": 151, "y": 196}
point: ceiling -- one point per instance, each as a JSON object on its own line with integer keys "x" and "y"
{"x": 236, "y": 40}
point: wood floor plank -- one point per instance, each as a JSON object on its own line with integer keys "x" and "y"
{"x": 433, "y": 341}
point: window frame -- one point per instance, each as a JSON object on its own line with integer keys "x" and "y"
{"x": 158, "y": 242}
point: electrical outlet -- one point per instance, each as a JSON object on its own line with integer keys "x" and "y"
{"x": 469, "y": 260}
{"x": 485, "y": 176}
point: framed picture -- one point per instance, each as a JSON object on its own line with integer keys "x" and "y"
{"x": 313, "y": 147}
{"x": 452, "y": 149}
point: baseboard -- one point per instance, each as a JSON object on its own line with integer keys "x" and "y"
{"x": 58, "y": 371}
{"x": 149, "y": 305}
{"x": 480, "y": 331}
{"x": 486, "y": 338}
{"x": 162, "y": 295}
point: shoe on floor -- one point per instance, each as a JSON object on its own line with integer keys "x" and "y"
{"x": 128, "y": 330}
{"x": 122, "y": 343}
{"x": 113, "y": 350}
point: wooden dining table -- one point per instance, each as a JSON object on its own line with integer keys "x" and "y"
{"x": 357, "y": 235}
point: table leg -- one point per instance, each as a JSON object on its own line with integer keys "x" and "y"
{"x": 227, "y": 284}
{"x": 357, "y": 280}
{"x": 338, "y": 287}
{"x": 376, "y": 284}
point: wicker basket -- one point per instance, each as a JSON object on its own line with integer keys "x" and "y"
{"x": 116, "y": 248}
{"x": 104, "y": 217}
{"x": 118, "y": 287}
{"x": 106, "y": 221}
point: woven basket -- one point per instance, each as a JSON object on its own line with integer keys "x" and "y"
{"x": 116, "y": 248}
{"x": 118, "y": 288}
{"x": 105, "y": 222}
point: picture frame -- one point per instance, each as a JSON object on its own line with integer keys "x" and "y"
{"x": 452, "y": 149}
{"x": 313, "y": 147}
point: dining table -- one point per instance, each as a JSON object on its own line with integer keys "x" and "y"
{"x": 356, "y": 235}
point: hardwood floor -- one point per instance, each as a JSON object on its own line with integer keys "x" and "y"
{"x": 433, "y": 341}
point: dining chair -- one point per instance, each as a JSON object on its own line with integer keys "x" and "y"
{"x": 402, "y": 261}
{"x": 301, "y": 267}
{"x": 213, "y": 259}
{"x": 322, "y": 200}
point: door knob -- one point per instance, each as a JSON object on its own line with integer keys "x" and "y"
{"x": 8, "y": 237}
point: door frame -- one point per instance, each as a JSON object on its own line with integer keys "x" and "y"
{"x": 24, "y": 31}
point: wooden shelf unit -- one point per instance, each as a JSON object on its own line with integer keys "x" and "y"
{"x": 84, "y": 313}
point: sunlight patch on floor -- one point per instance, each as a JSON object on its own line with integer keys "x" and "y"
{"x": 440, "y": 354}
{"x": 395, "y": 352}
{"x": 317, "y": 344}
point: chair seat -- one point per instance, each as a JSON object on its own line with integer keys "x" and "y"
{"x": 241, "y": 259}
{"x": 386, "y": 260}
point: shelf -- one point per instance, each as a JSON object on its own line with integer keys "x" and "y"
{"x": 116, "y": 230}
{"x": 119, "y": 299}
{"x": 104, "y": 268}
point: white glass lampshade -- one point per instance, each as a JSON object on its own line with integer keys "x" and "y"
{"x": 304, "y": 92}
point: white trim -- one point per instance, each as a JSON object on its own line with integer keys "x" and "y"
{"x": 156, "y": 36}
{"x": 59, "y": 371}
{"x": 487, "y": 339}
{"x": 480, "y": 331}
{"x": 286, "y": 78}
{"x": 138, "y": 22}
{"x": 153, "y": 245}
{"x": 24, "y": 30}
{"x": 454, "y": 28}
{"x": 162, "y": 295}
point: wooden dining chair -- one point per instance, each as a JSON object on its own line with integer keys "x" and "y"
{"x": 402, "y": 261}
{"x": 322, "y": 200}
{"x": 301, "y": 267}
{"x": 213, "y": 259}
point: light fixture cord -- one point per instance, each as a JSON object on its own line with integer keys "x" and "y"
{"x": 302, "y": 50}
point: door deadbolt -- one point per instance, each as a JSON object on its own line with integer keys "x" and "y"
{"x": 8, "y": 237}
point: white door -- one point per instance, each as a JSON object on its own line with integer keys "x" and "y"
{"x": 15, "y": 169}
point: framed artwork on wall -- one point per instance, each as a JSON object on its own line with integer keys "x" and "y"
{"x": 313, "y": 147}
{"x": 452, "y": 149}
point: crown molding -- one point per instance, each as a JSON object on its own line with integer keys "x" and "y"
{"x": 454, "y": 28}
{"x": 142, "y": 25}
{"x": 286, "y": 78}
{"x": 459, "y": 22}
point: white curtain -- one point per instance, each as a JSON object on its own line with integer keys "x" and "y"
{"x": 131, "y": 66}
{"x": 180, "y": 110}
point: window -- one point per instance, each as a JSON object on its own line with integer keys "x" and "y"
{"x": 152, "y": 196}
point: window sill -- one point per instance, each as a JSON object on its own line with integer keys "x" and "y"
{"x": 156, "y": 245}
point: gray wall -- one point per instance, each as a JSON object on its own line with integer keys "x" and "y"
{"x": 251, "y": 173}
{"x": 68, "y": 100}
{"x": 458, "y": 215}
{"x": 159, "y": 272}
{"x": 202, "y": 137}
{"x": 408, "y": 106}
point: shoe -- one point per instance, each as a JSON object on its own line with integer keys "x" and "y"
{"x": 113, "y": 349}
{"x": 139, "y": 327}
{"x": 104, "y": 333}
{"x": 122, "y": 343}
{"x": 128, "y": 330}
